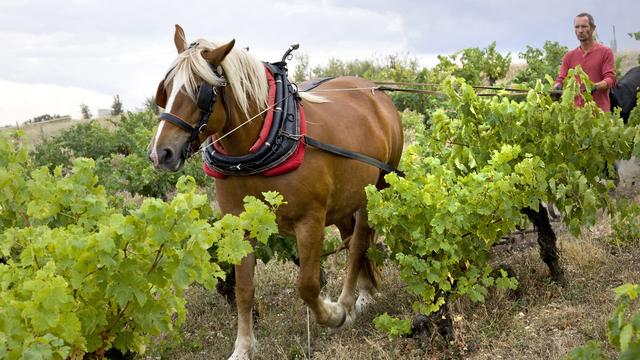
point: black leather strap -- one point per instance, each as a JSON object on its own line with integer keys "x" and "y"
{"x": 351, "y": 155}
{"x": 177, "y": 121}
{"x": 281, "y": 141}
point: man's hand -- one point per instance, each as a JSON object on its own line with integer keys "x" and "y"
{"x": 601, "y": 85}
{"x": 556, "y": 91}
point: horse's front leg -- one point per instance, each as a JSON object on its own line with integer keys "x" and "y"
{"x": 309, "y": 236}
{"x": 245, "y": 340}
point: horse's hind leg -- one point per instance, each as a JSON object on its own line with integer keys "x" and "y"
{"x": 245, "y": 340}
{"x": 360, "y": 271}
{"x": 309, "y": 235}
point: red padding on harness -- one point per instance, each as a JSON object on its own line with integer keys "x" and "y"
{"x": 268, "y": 119}
{"x": 209, "y": 171}
{"x": 296, "y": 159}
{"x": 292, "y": 163}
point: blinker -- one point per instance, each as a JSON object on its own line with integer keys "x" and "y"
{"x": 206, "y": 97}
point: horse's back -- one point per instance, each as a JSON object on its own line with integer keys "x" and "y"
{"x": 356, "y": 118}
{"x": 624, "y": 94}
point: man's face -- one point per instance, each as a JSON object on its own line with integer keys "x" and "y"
{"x": 584, "y": 31}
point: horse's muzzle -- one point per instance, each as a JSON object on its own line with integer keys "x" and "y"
{"x": 165, "y": 158}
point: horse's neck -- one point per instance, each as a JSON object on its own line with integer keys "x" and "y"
{"x": 241, "y": 134}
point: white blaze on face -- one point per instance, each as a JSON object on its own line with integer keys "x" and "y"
{"x": 178, "y": 81}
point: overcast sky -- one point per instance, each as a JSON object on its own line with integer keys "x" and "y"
{"x": 58, "y": 54}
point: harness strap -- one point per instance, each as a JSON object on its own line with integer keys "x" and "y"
{"x": 176, "y": 121}
{"x": 351, "y": 155}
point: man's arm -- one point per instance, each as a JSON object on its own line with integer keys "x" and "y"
{"x": 608, "y": 72}
{"x": 564, "y": 69}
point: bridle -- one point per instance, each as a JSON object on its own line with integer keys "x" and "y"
{"x": 206, "y": 100}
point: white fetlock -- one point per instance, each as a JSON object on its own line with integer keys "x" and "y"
{"x": 239, "y": 354}
{"x": 243, "y": 352}
{"x": 364, "y": 302}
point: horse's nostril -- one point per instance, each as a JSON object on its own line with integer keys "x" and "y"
{"x": 165, "y": 155}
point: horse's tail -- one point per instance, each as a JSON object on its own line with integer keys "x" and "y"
{"x": 313, "y": 98}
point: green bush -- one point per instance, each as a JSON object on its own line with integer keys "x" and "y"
{"x": 89, "y": 140}
{"x": 623, "y": 329}
{"x": 469, "y": 177}
{"x": 80, "y": 277}
{"x": 120, "y": 155}
{"x": 625, "y": 223}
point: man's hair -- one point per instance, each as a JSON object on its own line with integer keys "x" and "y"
{"x": 588, "y": 16}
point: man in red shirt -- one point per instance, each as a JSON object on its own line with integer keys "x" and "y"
{"x": 595, "y": 59}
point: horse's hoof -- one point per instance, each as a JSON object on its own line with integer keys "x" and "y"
{"x": 343, "y": 319}
{"x": 243, "y": 354}
{"x": 245, "y": 351}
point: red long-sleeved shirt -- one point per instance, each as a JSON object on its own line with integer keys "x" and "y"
{"x": 599, "y": 65}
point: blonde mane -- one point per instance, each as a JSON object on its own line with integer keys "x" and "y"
{"x": 244, "y": 74}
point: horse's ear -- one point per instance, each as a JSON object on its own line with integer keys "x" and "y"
{"x": 161, "y": 95}
{"x": 215, "y": 56}
{"x": 180, "y": 39}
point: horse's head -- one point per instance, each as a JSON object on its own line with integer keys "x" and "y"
{"x": 194, "y": 99}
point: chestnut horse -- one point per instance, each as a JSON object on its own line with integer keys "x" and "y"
{"x": 324, "y": 190}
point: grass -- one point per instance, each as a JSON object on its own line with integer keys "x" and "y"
{"x": 542, "y": 321}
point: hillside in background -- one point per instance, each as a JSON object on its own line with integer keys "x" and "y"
{"x": 629, "y": 60}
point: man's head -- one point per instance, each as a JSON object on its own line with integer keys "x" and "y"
{"x": 584, "y": 27}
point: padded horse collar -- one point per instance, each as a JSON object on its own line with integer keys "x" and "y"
{"x": 281, "y": 141}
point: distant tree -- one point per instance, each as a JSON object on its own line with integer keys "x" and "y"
{"x": 477, "y": 65}
{"x": 116, "y": 107}
{"x": 368, "y": 69}
{"x": 334, "y": 68}
{"x": 86, "y": 113}
{"x": 150, "y": 104}
{"x": 540, "y": 62}
{"x": 301, "y": 71}
{"x": 42, "y": 118}
{"x": 397, "y": 68}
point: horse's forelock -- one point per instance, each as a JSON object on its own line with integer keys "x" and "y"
{"x": 244, "y": 74}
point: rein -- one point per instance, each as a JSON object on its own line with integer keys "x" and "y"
{"x": 383, "y": 86}
{"x": 439, "y": 85}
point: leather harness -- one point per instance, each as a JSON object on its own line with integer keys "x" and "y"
{"x": 281, "y": 141}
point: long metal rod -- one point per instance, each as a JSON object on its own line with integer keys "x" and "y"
{"x": 439, "y": 85}
{"x": 433, "y": 92}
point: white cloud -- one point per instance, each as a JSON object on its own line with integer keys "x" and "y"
{"x": 116, "y": 47}
{"x": 20, "y": 102}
